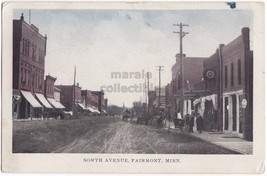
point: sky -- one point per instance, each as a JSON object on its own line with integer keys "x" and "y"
{"x": 128, "y": 42}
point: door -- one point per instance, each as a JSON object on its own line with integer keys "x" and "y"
{"x": 226, "y": 113}
{"x": 234, "y": 112}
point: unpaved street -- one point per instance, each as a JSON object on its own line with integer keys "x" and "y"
{"x": 108, "y": 135}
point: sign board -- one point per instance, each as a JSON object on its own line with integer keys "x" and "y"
{"x": 244, "y": 103}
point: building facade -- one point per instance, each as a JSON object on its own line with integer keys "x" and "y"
{"x": 29, "y": 50}
{"x": 193, "y": 74}
{"x": 228, "y": 79}
{"x": 101, "y": 101}
{"x": 91, "y": 100}
{"x": 237, "y": 87}
{"x": 70, "y": 96}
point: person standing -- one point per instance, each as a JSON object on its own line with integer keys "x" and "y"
{"x": 191, "y": 124}
{"x": 199, "y": 123}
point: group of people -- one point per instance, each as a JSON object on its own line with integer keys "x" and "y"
{"x": 190, "y": 121}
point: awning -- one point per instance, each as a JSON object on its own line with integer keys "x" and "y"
{"x": 30, "y": 98}
{"x": 90, "y": 109}
{"x": 55, "y": 104}
{"x": 82, "y": 106}
{"x": 97, "y": 111}
{"x": 43, "y": 100}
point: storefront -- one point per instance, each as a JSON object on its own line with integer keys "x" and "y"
{"x": 16, "y": 100}
{"x": 30, "y": 107}
{"x": 46, "y": 106}
{"x": 207, "y": 107}
{"x": 233, "y": 112}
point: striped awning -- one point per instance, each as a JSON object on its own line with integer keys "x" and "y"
{"x": 43, "y": 101}
{"x": 55, "y": 104}
{"x": 30, "y": 98}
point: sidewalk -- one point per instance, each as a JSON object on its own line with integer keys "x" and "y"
{"x": 222, "y": 139}
{"x": 226, "y": 140}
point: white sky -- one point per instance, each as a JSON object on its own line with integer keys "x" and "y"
{"x": 99, "y": 42}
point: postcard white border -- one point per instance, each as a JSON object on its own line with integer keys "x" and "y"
{"x": 73, "y": 163}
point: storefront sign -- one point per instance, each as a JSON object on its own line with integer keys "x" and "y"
{"x": 244, "y": 103}
{"x": 209, "y": 74}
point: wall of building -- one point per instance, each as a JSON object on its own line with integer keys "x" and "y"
{"x": 57, "y": 95}
{"x": 236, "y": 82}
{"x": 49, "y": 86}
{"x": 90, "y": 98}
{"x": 29, "y": 49}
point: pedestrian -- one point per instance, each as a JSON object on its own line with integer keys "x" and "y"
{"x": 187, "y": 121}
{"x": 199, "y": 123}
{"x": 191, "y": 124}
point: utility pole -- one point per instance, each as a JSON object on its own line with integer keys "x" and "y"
{"x": 74, "y": 109}
{"x": 182, "y": 34}
{"x": 160, "y": 68}
{"x": 147, "y": 76}
{"x": 145, "y": 92}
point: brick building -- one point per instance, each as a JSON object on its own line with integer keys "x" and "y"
{"x": 208, "y": 105}
{"x": 237, "y": 87}
{"x": 91, "y": 100}
{"x": 229, "y": 79}
{"x": 193, "y": 73}
{"x": 29, "y": 50}
{"x": 50, "y": 91}
{"x": 101, "y": 101}
{"x": 67, "y": 97}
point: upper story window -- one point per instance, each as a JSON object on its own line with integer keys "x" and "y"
{"x": 225, "y": 76}
{"x": 239, "y": 71}
{"x": 33, "y": 51}
{"x": 232, "y": 74}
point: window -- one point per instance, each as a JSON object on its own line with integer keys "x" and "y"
{"x": 232, "y": 74}
{"x": 21, "y": 76}
{"x": 33, "y": 52}
{"x": 24, "y": 47}
{"x": 225, "y": 76}
{"x": 29, "y": 82}
{"x": 239, "y": 71}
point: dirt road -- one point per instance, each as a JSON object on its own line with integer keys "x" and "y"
{"x": 112, "y": 135}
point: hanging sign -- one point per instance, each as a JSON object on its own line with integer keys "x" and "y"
{"x": 209, "y": 74}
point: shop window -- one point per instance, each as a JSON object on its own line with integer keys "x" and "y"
{"x": 239, "y": 71}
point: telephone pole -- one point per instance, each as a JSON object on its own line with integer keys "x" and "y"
{"x": 160, "y": 68}
{"x": 147, "y": 76}
{"x": 74, "y": 86}
{"x": 182, "y": 34}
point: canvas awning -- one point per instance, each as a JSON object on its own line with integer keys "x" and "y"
{"x": 55, "y": 104}
{"x": 97, "y": 111}
{"x": 30, "y": 98}
{"x": 42, "y": 99}
{"x": 90, "y": 109}
{"x": 81, "y": 105}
